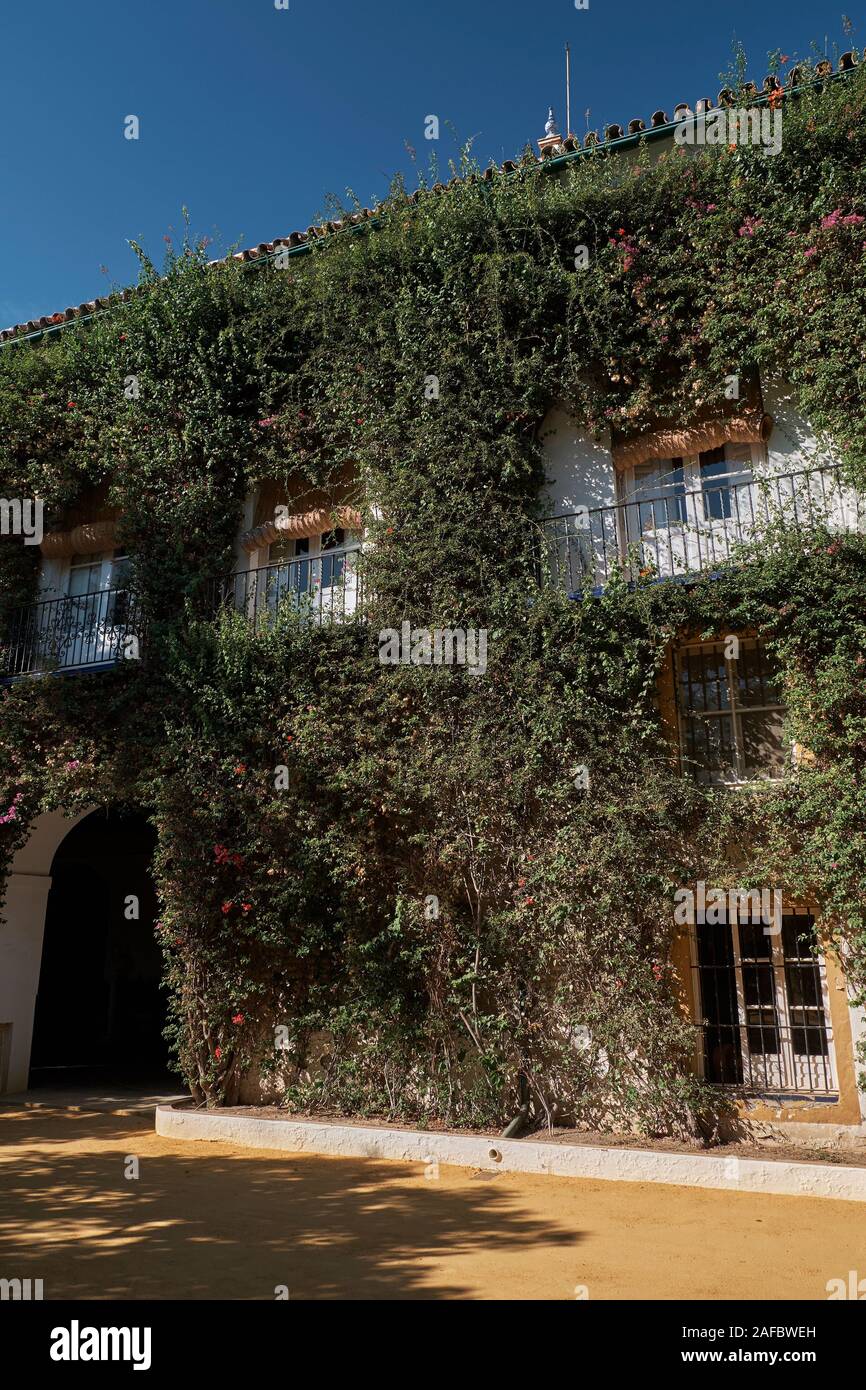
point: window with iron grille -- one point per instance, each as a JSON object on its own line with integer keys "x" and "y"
{"x": 763, "y": 1006}
{"x": 730, "y": 713}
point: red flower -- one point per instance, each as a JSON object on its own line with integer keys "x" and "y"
{"x": 237, "y": 1018}
{"x": 221, "y": 854}
{"x": 217, "y": 1052}
{"x": 240, "y": 769}
{"x": 246, "y": 907}
{"x": 521, "y": 883}
{"x": 529, "y": 902}
{"x": 227, "y": 907}
{"x": 70, "y": 405}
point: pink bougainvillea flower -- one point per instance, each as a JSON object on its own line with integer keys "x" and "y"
{"x": 12, "y": 813}
{"x": 809, "y": 252}
{"x": 750, "y": 226}
{"x": 270, "y": 420}
{"x": 72, "y": 765}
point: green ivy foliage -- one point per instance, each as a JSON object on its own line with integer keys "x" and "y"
{"x": 543, "y": 975}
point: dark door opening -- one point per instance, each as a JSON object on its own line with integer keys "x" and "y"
{"x": 100, "y": 1012}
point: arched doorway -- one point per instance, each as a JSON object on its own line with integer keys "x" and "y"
{"x": 100, "y": 1012}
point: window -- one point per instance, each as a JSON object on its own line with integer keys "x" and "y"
{"x": 332, "y": 565}
{"x": 730, "y": 713}
{"x": 287, "y": 568}
{"x": 661, "y": 483}
{"x": 763, "y": 1007}
{"x": 726, "y": 479}
{"x": 89, "y": 626}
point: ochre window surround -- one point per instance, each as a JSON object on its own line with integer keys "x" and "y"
{"x": 752, "y": 427}
{"x": 86, "y": 539}
{"x": 300, "y": 526}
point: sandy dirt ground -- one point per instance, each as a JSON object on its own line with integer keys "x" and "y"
{"x": 216, "y": 1221}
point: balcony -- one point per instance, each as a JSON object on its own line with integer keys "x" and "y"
{"x": 75, "y": 633}
{"x": 678, "y": 534}
{"x": 320, "y": 589}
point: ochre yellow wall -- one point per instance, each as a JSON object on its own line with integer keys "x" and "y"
{"x": 847, "y": 1110}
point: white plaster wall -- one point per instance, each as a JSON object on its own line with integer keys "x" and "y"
{"x": 792, "y": 443}
{"x": 579, "y": 473}
{"x": 793, "y": 446}
{"x": 21, "y": 934}
{"x": 579, "y": 469}
{"x": 244, "y": 561}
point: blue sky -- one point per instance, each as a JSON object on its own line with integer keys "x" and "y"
{"x": 250, "y": 115}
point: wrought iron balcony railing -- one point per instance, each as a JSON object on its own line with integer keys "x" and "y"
{"x": 72, "y": 633}
{"x": 678, "y": 533}
{"x": 319, "y": 589}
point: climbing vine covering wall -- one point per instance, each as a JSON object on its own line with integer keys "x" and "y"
{"x": 306, "y": 906}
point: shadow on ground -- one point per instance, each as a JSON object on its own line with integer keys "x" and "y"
{"x": 203, "y": 1221}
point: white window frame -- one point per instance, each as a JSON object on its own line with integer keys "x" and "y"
{"x": 692, "y": 479}
{"x": 79, "y": 629}
{"x": 338, "y": 598}
{"x": 108, "y": 561}
{"x": 697, "y": 537}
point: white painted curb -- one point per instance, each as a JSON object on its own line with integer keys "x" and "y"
{"x": 517, "y": 1155}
